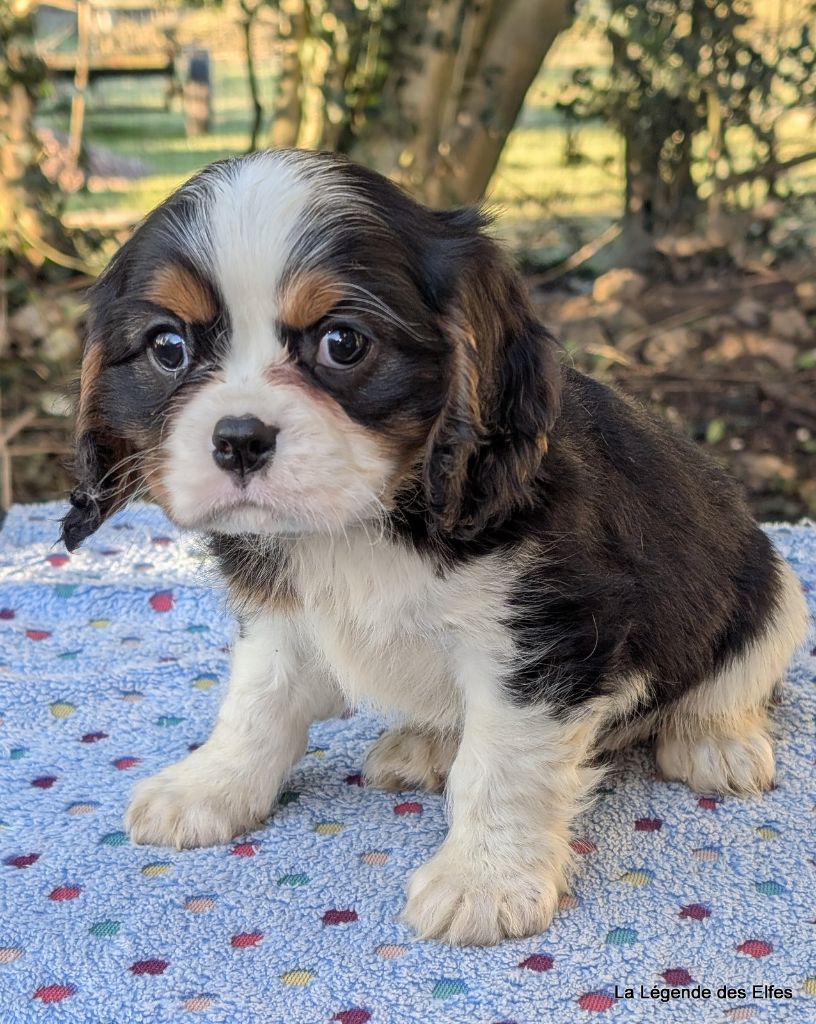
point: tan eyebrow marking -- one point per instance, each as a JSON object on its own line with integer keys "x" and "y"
{"x": 307, "y": 297}
{"x": 177, "y": 289}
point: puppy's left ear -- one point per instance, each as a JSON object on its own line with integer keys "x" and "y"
{"x": 103, "y": 465}
{"x": 488, "y": 443}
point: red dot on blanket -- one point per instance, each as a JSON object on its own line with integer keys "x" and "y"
{"x": 339, "y": 916}
{"x": 123, "y": 763}
{"x": 596, "y": 1002}
{"x": 93, "y": 737}
{"x": 54, "y": 993}
{"x": 65, "y": 892}
{"x": 648, "y": 824}
{"x": 356, "y": 1015}
{"x": 755, "y": 948}
{"x": 677, "y": 976}
{"x": 23, "y": 860}
{"x": 245, "y": 849}
{"x": 162, "y": 601}
{"x": 695, "y": 912}
{"x": 583, "y": 847}
{"x": 37, "y": 634}
{"x": 6, "y": 614}
{"x": 58, "y": 560}
{"x": 410, "y": 807}
{"x": 707, "y": 803}
{"x": 245, "y": 940}
{"x": 538, "y": 962}
{"x": 44, "y": 781}
{"x": 149, "y": 967}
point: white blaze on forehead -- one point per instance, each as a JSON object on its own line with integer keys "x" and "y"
{"x": 256, "y": 211}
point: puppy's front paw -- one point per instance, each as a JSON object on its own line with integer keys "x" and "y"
{"x": 407, "y": 759}
{"x": 479, "y": 907}
{"x": 193, "y": 803}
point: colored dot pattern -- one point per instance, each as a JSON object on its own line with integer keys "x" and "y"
{"x": 112, "y": 664}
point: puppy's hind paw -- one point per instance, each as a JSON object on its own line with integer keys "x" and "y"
{"x": 479, "y": 908}
{"x": 408, "y": 759}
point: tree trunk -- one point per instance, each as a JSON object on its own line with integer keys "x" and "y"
{"x": 455, "y": 91}
{"x": 449, "y": 80}
{"x": 287, "y": 110}
{"x": 517, "y": 37}
{"x": 252, "y": 75}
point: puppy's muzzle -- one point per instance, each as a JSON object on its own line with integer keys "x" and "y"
{"x": 243, "y": 444}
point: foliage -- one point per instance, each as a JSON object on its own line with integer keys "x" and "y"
{"x": 689, "y": 79}
{"x": 28, "y": 204}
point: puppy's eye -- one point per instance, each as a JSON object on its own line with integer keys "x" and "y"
{"x": 168, "y": 350}
{"x": 341, "y": 347}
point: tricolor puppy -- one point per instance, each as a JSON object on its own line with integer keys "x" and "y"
{"x": 416, "y": 507}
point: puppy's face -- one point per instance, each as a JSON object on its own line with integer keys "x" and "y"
{"x": 280, "y": 347}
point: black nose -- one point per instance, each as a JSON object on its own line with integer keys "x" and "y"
{"x": 243, "y": 444}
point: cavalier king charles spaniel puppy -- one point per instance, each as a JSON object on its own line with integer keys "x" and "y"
{"x": 417, "y": 507}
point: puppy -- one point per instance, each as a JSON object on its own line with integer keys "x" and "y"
{"x": 416, "y": 507}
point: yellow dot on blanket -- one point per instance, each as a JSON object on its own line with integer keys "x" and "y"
{"x": 62, "y": 709}
{"x": 99, "y": 623}
{"x": 316, "y": 752}
{"x": 157, "y": 869}
{"x": 205, "y": 682}
{"x": 639, "y": 877}
{"x": 329, "y": 828}
{"x": 391, "y": 951}
{"x": 297, "y": 977}
{"x": 809, "y": 986}
{"x": 767, "y": 832}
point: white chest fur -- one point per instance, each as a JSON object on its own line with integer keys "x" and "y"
{"x": 391, "y": 624}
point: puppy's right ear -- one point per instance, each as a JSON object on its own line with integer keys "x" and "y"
{"x": 104, "y": 470}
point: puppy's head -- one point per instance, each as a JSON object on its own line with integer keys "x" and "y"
{"x": 290, "y": 341}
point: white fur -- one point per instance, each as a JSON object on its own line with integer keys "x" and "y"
{"x": 256, "y": 211}
{"x": 517, "y": 781}
{"x": 230, "y": 783}
{"x": 326, "y": 473}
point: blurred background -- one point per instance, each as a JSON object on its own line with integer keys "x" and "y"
{"x": 652, "y": 165}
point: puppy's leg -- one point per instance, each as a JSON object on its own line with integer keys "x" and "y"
{"x": 717, "y": 738}
{"x": 518, "y": 779}
{"x": 410, "y": 758}
{"x": 229, "y": 784}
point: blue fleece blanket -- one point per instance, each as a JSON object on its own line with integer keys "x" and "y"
{"x": 112, "y": 664}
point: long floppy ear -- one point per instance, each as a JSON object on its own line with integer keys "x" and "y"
{"x": 488, "y": 443}
{"x": 104, "y": 472}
